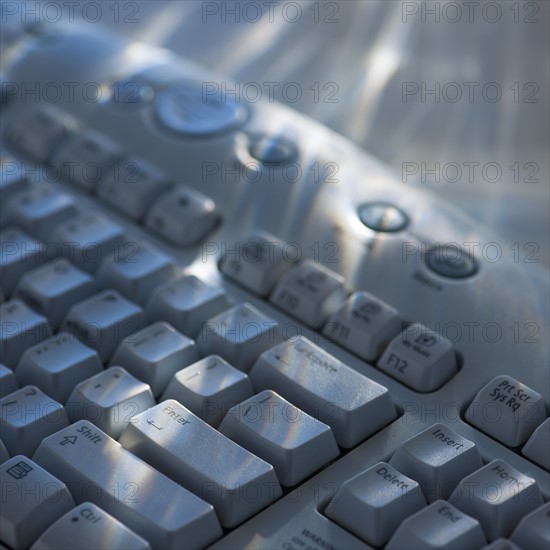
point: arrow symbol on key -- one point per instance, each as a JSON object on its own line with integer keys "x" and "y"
{"x": 8, "y": 403}
{"x": 68, "y": 439}
{"x": 151, "y": 423}
{"x": 32, "y": 391}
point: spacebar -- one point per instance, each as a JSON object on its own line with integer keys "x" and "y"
{"x": 97, "y": 469}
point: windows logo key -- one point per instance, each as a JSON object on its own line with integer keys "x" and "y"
{"x": 19, "y": 470}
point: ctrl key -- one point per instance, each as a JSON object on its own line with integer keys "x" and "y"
{"x": 440, "y": 525}
{"x": 32, "y": 499}
{"x": 88, "y": 527}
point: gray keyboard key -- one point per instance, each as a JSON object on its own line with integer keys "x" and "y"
{"x": 20, "y": 328}
{"x": 154, "y": 354}
{"x": 354, "y": 406}
{"x": 110, "y": 400}
{"x": 32, "y": 499}
{"x": 131, "y": 185}
{"x": 186, "y": 303}
{"x": 157, "y": 508}
{"x": 26, "y": 417}
{"x": 498, "y": 496}
{"x": 186, "y": 449}
{"x": 209, "y": 388}
{"x": 39, "y": 209}
{"x": 272, "y": 428}
{"x": 19, "y": 253}
{"x": 88, "y": 527}
{"x": 86, "y": 158}
{"x": 136, "y": 270}
{"x": 53, "y": 288}
{"x": 103, "y": 321}
{"x": 37, "y": 132}
{"x": 239, "y": 335}
{"x": 56, "y": 365}
{"x": 87, "y": 239}
{"x": 8, "y": 382}
{"x": 439, "y": 526}
{"x": 183, "y": 216}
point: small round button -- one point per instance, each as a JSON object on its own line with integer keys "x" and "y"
{"x": 451, "y": 261}
{"x": 383, "y": 217}
{"x": 272, "y": 149}
{"x": 186, "y": 110}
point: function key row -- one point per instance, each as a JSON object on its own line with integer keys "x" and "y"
{"x": 361, "y": 323}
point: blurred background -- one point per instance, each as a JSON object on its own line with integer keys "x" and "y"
{"x": 453, "y": 94}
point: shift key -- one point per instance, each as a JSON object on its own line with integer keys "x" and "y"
{"x": 97, "y": 469}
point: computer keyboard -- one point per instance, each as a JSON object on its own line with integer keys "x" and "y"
{"x": 225, "y": 326}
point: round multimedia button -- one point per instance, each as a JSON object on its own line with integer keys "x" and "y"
{"x": 272, "y": 149}
{"x": 185, "y": 110}
{"x": 451, "y": 261}
{"x": 383, "y": 217}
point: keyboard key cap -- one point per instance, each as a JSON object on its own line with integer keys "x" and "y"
{"x": 19, "y": 254}
{"x": 272, "y": 428}
{"x": 131, "y": 185}
{"x": 103, "y": 321}
{"x": 21, "y": 327}
{"x": 439, "y": 526}
{"x": 498, "y": 496}
{"x": 507, "y": 410}
{"x": 533, "y": 531}
{"x": 364, "y": 325}
{"x": 8, "y": 383}
{"x": 4, "y": 455}
{"x": 538, "y": 446}
{"x": 53, "y": 288}
{"x": 136, "y": 270}
{"x": 154, "y": 354}
{"x": 186, "y": 303}
{"x": 32, "y": 499}
{"x": 87, "y": 239}
{"x": 109, "y": 399}
{"x": 87, "y": 157}
{"x": 310, "y": 292}
{"x": 209, "y": 388}
{"x": 186, "y": 449}
{"x": 239, "y": 335}
{"x": 372, "y": 504}
{"x": 154, "y": 506}
{"x": 39, "y": 209}
{"x": 27, "y": 417}
{"x": 57, "y": 365}
{"x": 12, "y": 177}
{"x": 419, "y": 358}
{"x": 183, "y": 216}
{"x": 38, "y": 132}
{"x": 257, "y": 262}
{"x": 438, "y": 458}
{"x": 354, "y": 406}
{"x": 89, "y": 527}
